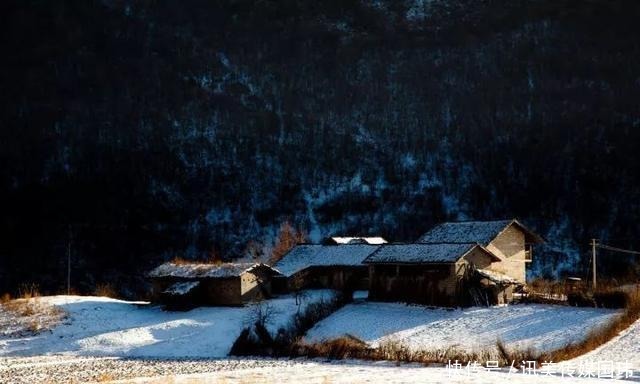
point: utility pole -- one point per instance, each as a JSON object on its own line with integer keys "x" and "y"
{"x": 69, "y": 263}
{"x": 593, "y": 262}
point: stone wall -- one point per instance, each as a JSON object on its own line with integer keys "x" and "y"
{"x": 510, "y": 247}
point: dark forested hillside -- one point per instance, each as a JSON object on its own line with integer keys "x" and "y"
{"x": 135, "y": 131}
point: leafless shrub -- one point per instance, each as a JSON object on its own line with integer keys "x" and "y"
{"x": 28, "y": 291}
{"x": 287, "y": 238}
{"x": 105, "y": 290}
{"x": 256, "y": 340}
{"x": 261, "y": 314}
{"x": 347, "y": 347}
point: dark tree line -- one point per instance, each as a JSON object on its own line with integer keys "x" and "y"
{"x": 146, "y": 130}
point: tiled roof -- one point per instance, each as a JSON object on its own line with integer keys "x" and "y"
{"x": 481, "y": 232}
{"x": 310, "y": 255}
{"x": 181, "y": 288}
{"x": 420, "y": 253}
{"x": 497, "y": 277}
{"x": 193, "y": 270}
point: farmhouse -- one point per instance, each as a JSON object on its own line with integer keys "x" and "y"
{"x": 324, "y": 266}
{"x": 456, "y": 263}
{"x": 509, "y": 240}
{"x": 188, "y": 285}
{"x": 433, "y": 274}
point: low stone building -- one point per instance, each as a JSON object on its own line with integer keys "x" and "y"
{"x": 186, "y": 285}
{"x": 454, "y": 264}
{"x": 509, "y": 240}
{"x": 324, "y": 266}
{"x": 432, "y": 274}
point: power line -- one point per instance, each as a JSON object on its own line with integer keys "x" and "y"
{"x": 595, "y": 245}
{"x": 616, "y": 249}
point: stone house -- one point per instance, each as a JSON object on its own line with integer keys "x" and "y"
{"x": 509, "y": 240}
{"x": 432, "y": 274}
{"x": 187, "y": 285}
{"x": 454, "y": 264}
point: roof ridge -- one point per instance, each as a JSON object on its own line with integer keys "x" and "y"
{"x": 446, "y": 242}
{"x": 477, "y": 221}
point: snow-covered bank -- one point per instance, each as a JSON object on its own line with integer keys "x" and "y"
{"x": 623, "y": 348}
{"x": 543, "y": 327}
{"x": 99, "y": 326}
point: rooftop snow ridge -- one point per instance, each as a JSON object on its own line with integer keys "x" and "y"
{"x": 309, "y": 255}
{"x": 481, "y": 232}
{"x": 204, "y": 270}
{"x": 420, "y": 253}
{"x": 375, "y": 240}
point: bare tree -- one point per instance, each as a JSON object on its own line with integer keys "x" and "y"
{"x": 297, "y": 285}
{"x": 261, "y": 314}
{"x": 254, "y": 250}
{"x": 288, "y": 237}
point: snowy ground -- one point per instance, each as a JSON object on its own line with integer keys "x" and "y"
{"x": 98, "y": 326}
{"x": 624, "y": 347}
{"x": 70, "y": 369}
{"x": 143, "y": 344}
{"x": 310, "y": 372}
{"x": 542, "y": 327}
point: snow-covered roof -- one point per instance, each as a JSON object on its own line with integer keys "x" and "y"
{"x": 481, "y": 232}
{"x": 204, "y": 270}
{"x": 313, "y": 255}
{"x": 497, "y": 277}
{"x": 421, "y": 253}
{"x": 181, "y": 288}
{"x": 376, "y": 240}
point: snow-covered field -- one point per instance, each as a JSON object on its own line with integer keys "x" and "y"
{"x": 624, "y": 347}
{"x": 542, "y": 327}
{"x": 140, "y": 343}
{"x": 99, "y": 326}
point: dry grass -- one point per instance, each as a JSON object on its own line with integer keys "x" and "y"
{"x": 349, "y": 347}
{"x": 29, "y": 316}
{"x": 106, "y": 290}
{"x": 22, "y": 307}
{"x": 105, "y": 377}
{"x": 346, "y": 347}
{"x": 5, "y": 298}
{"x": 182, "y": 261}
{"x": 28, "y": 291}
